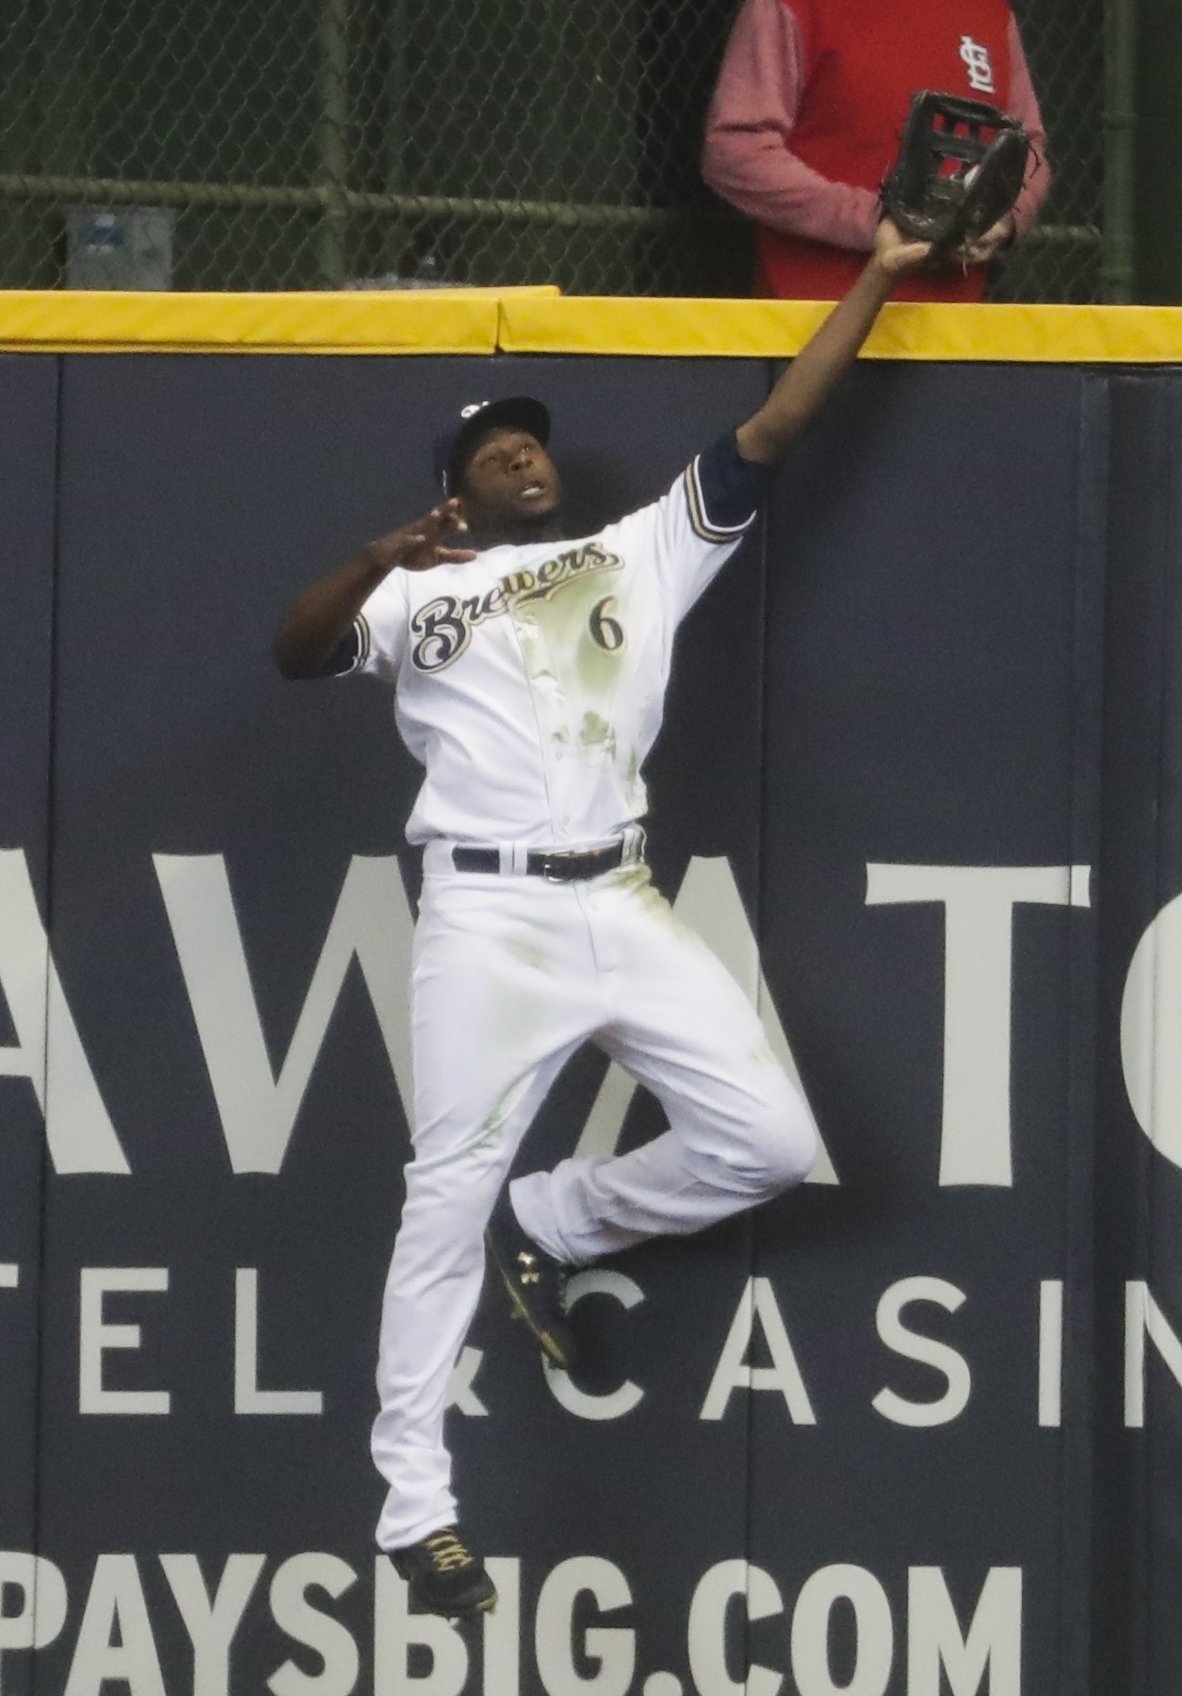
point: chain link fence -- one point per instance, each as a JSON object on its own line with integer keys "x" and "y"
{"x": 303, "y": 144}
{"x": 1064, "y": 259}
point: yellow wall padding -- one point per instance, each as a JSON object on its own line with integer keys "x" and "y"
{"x": 767, "y": 329}
{"x": 394, "y": 321}
{"x": 540, "y": 320}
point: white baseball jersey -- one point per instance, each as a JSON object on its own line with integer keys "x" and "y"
{"x": 531, "y": 680}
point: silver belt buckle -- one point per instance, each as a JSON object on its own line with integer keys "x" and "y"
{"x": 549, "y": 862}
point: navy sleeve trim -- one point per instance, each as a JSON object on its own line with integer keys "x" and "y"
{"x": 350, "y": 652}
{"x": 724, "y": 490}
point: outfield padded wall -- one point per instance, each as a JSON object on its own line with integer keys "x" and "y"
{"x": 540, "y": 320}
{"x": 918, "y": 783}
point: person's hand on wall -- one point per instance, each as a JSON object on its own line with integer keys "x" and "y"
{"x": 992, "y": 244}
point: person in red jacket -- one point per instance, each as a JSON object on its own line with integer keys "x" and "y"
{"x": 806, "y": 118}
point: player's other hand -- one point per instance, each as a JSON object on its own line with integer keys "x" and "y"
{"x": 895, "y": 253}
{"x": 421, "y": 545}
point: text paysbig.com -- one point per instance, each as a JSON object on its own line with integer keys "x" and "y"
{"x": 579, "y": 1633}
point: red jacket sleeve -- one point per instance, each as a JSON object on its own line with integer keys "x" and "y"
{"x": 747, "y": 157}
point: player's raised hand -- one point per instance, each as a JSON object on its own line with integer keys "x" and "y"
{"x": 770, "y": 434}
{"x": 895, "y": 253}
{"x": 420, "y": 545}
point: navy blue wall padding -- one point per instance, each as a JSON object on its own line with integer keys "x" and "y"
{"x": 946, "y": 643}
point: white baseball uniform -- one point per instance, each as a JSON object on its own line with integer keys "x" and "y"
{"x": 530, "y": 683}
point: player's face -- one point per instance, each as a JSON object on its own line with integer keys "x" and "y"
{"x": 510, "y": 486}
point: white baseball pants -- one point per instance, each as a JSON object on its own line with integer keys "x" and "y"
{"x": 510, "y": 975}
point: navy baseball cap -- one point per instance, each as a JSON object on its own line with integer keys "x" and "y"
{"x": 453, "y": 446}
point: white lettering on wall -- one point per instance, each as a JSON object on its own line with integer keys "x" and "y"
{"x": 461, "y": 1393}
{"x": 371, "y": 924}
{"x": 115, "y": 1641}
{"x": 873, "y": 1629}
{"x": 212, "y": 1623}
{"x": 577, "y": 1652}
{"x": 992, "y": 1646}
{"x": 913, "y": 1346}
{"x": 1144, "y": 1318}
{"x": 978, "y": 904}
{"x": 48, "y": 1050}
{"x": 502, "y": 1631}
{"x": 613, "y": 1648}
{"x": 724, "y": 1584}
{"x": 97, "y": 1337}
{"x": 258, "y": 1103}
{"x": 616, "y": 1402}
{"x": 397, "y": 1631}
{"x": 758, "y": 1302}
{"x": 1152, "y": 1005}
{"x": 1050, "y": 1352}
{"x": 316, "y": 1630}
{"x": 248, "y": 1398}
{"x": 43, "y": 1601}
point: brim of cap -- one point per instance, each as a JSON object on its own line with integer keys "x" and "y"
{"x": 517, "y": 411}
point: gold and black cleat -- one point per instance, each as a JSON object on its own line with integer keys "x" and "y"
{"x": 535, "y": 1284}
{"x": 444, "y": 1576}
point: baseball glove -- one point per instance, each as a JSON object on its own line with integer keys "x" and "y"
{"x": 959, "y": 170}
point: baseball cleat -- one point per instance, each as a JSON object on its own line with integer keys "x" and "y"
{"x": 536, "y": 1286}
{"x": 444, "y": 1576}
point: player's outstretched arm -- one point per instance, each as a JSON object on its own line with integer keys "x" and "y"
{"x": 769, "y": 436}
{"x": 323, "y": 615}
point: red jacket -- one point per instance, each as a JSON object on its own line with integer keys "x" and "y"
{"x": 806, "y": 118}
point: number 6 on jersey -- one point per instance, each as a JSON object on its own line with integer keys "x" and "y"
{"x": 606, "y": 631}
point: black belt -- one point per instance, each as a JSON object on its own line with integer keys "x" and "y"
{"x": 559, "y": 865}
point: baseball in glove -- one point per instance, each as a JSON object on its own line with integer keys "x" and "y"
{"x": 959, "y": 170}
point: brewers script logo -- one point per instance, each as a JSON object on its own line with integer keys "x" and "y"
{"x": 444, "y": 626}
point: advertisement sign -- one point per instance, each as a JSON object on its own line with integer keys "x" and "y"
{"x": 864, "y": 1440}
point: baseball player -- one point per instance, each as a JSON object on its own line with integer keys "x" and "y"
{"x": 529, "y": 675}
